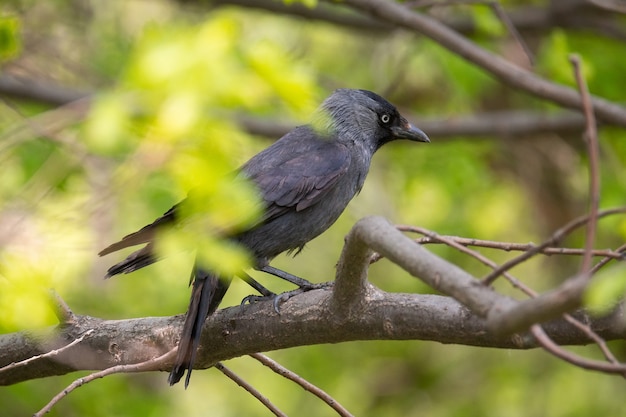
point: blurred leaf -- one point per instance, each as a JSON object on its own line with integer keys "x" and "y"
{"x": 106, "y": 129}
{"x": 554, "y": 60}
{"x": 24, "y": 302}
{"x": 212, "y": 253}
{"x": 311, "y": 4}
{"x": 487, "y": 21}
{"x": 606, "y": 289}
{"x": 293, "y": 83}
{"x": 10, "y": 40}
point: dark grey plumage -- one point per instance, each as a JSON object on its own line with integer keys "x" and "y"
{"x": 306, "y": 180}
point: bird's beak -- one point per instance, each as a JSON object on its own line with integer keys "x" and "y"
{"x": 410, "y": 132}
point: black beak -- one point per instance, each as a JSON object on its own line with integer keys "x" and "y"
{"x": 410, "y": 132}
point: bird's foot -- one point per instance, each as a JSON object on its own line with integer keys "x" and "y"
{"x": 278, "y": 299}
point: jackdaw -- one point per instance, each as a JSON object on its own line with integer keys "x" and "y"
{"x": 305, "y": 180}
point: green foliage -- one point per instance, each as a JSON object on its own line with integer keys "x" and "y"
{"x": 171, "y": 99}
{"x": 10, "y": 43}
{"x": 606, "y": 290}
{"x": 554, "y": 59}
{"x": 487, "y": 21}
{"x": 168, "y": 81}
{"x": 308, "y": 3}
{"x": 458, "y": 82}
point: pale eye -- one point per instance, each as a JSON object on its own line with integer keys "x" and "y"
{"x": 385, "y": 118}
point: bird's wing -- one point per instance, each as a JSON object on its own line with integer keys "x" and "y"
{"x": 300, "y": 179}
{"x": 288, "y": 180}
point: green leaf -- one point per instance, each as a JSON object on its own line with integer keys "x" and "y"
{"x": 486, "y": 21}
{"x": 311, "y": 4}
{"x": 606, "y": 289}
{"x": 10, "y": 41}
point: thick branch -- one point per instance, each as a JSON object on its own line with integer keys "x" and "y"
{"x": 504, "y": 314}
{"x": 381, "y": 236}
{"x": 351, "y": 310}
{"x": 563, "y": 299}
{"x": 304, "y": 320}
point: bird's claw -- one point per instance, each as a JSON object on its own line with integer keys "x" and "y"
{"x": 278, "y": 299}
{"x": 255, "y": 298}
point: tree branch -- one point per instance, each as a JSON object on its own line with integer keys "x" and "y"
{"x": 306, "y": 319}
{"x": 37, "y": 90}
{"x": 508, "y": 124}
{"x": 507, "y": 72}
{"x": 530, "y": 19}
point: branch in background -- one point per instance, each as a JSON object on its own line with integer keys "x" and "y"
{"x": 306, "y": 385}
{"x": 507, "y": 72}
{"x": 528, "y": 20}
{"x": 497, "y": 10}
{"x": 250, "y": 389}
{"x": 593, "y": 151}
{"x": 36, "y": 90}
{"x": 502, "y": 124}
{"x": 508, "y": 124}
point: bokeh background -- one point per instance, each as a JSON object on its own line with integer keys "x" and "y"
{"x": 183, "y": 92}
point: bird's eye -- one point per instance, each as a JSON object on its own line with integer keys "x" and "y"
{"x": 385, "y": 118}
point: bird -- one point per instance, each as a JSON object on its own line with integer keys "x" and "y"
{"x": 305, "y": 181}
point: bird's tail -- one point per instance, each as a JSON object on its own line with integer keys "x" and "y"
{"x": 208, "y": 291}
{"x": 136, "y": 260}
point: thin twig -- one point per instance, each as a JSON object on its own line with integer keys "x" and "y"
{"x": 149, "y": 365}
{"x": 552, "y": 241}
{"x": 447, "y": 240}
{"x": 47, "y": 354}
{"x": 504, "y": 17}
{"x": 593, "y": 336}
{"x": 255, "y": 393}
{"x": 48, "y": 124}
{"x": 547, "y": 343}
{"x": 591, "y": 138}
{"x": 508, "y": 246}
{"x": 292, "y": 376}
{"x": 621, "y": 250}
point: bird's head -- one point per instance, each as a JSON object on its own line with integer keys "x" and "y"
{"x": 360, "y": 115}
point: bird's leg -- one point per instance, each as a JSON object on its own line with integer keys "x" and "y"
{"x": 265, "y": 293}
{"x": 255, "y": 284}
{"x": 303, "y": 285}
{"x": 300, "y": 282}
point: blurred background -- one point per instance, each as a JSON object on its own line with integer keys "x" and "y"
{"x": 183, "y": 92}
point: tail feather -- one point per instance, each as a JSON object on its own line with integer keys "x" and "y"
{"x": 145, "y": 234}
{"x": 207, "y": 293}
{"x": 136, "y": 260}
